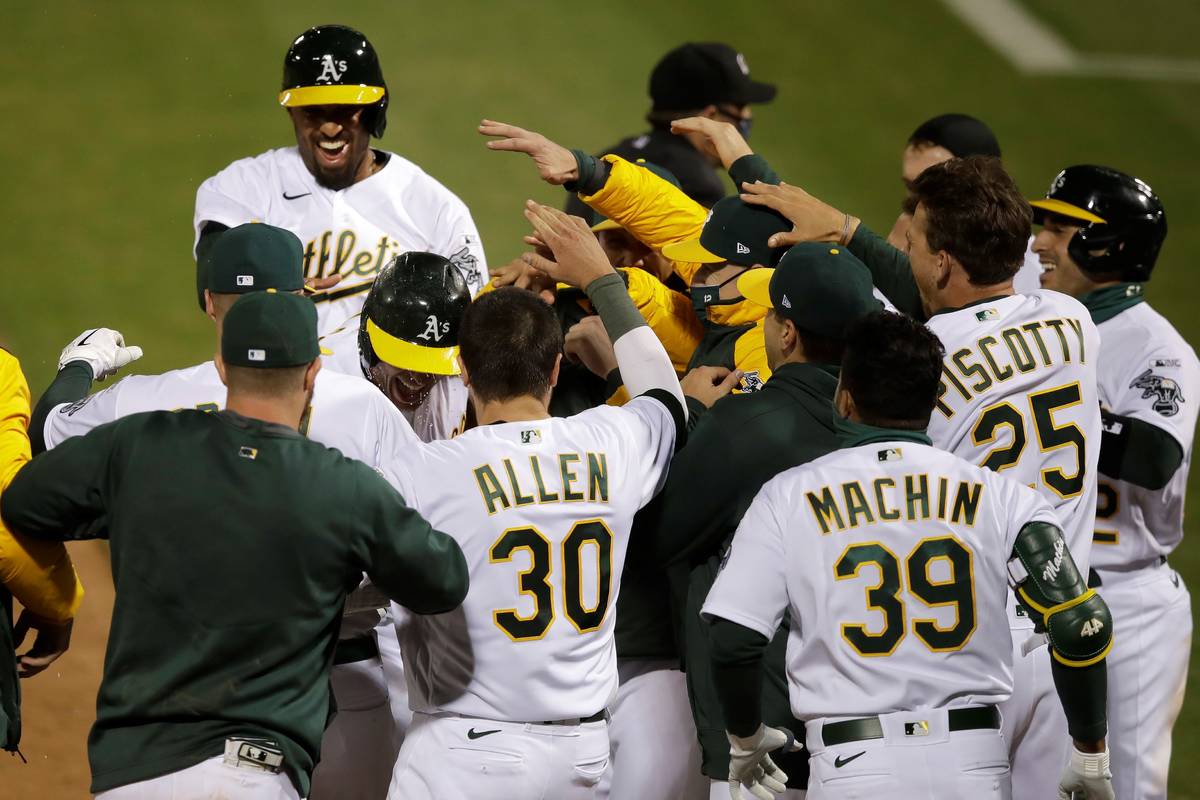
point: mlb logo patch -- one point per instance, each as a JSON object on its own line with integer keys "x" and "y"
{"x": 920, "y": 728}
{"x": 533, "y": 436}
{"x": 1165, "y": 362}
{"x": 890, "y": 454}
{"x": 256, "y": 355}
{"x": 986, "y": 314}
{"x": 248, "y": 452}
{"x": 245, "y": 280}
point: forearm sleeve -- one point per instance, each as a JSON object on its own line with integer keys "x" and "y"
{"x": 751, "y": 168}
{"x": 643, "y": 361}
{"x": 1138, "y": 452}
{"x": 70, "y": 385}
{"x": 1083, "y": 692}
{"x": 737, "y": 654}
{"x": 890, "y": 271}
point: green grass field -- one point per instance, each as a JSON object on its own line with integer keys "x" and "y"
{"x": 117, "y": 111}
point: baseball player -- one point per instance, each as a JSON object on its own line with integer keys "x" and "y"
{"x": 405, "y": 342}
{"x": 894, "y": 560}
{"x": 510, "y": 693}
{"x": 1100, "y": 237}
{"x": 345, "y": 413}
{"x": 1018, "y": 394}
{"x": 230, "y": 568}
{"x": 354, "y": 207}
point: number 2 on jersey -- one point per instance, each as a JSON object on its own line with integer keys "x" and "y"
{"x": 958, "y": 591}
{"x": 535, "y": 581}
{"x": 1042, "y": 406}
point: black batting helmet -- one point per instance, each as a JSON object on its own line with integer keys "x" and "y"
{"x": 1123, "y": 221}
{"x": 335, "y": 65}
{"x": 411, "y": 315}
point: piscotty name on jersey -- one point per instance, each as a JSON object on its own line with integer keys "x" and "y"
{"x": 565, "y": 478}
{"x": 995, "y": 358}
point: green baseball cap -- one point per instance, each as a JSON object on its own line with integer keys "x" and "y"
{"x": 820, "y": 287}
{"x": 253, "y": 257}
{"x": 736, "y": 232}
{"x": 270, "y": 329}
{"x": 599, "y": 222}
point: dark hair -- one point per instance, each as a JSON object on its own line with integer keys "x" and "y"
{"x": 976, "y": 214}
{"x": 509, "y": 340}
{"x": 892, "y": 368}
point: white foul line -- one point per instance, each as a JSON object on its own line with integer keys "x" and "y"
{"x": 1034, "y": 48}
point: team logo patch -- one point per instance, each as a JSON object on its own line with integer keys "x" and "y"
{"x": 533, "y": 436}
{"x": 1166, "y": 392}
{"x": 468, "y": 265}
{"x": 256, "y": 355}
{"x": 78, "y": 404}
{"x": 245, "y": 280}
{"x": 986, "y": 314}
{"x": 434, "y": 329}
{"x": 331, "y": 71}
{"x": 890, "y": 454}
{"x": 751, "y": 381}
{"x": 248, "y": 452}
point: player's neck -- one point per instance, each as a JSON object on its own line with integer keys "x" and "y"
{"x": 285, "y": 413}
{"x": 517, "y": 409}
{"x": 960, "y": 294}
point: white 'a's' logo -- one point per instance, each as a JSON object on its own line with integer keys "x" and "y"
{"x": 331, "y": 70}
{"x": 434, "y": 329}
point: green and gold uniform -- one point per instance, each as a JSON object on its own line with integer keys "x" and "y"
{"x": 232, "y": 554}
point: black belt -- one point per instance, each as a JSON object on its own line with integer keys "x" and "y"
{"x": 349, "y": 651}
{"x": 597, "y": 717}
{"x": 958, "y": 719}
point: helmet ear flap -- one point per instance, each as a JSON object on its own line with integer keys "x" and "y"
{"x": 376, "y": 117}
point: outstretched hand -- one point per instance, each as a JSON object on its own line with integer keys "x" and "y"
{"x": 578, "y": 259}
{"x": 726, "y": 139}
{"x": 555, "y": 163}
{"x": 812, "y": 220}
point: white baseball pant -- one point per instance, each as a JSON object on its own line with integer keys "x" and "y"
{"x": 206, "y": 780}
{"x": 1035, "y": 727}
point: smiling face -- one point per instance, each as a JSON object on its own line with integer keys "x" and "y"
{"x": 406, "y": 389}
{"x": 1059, "y": 271}
{"x": 334, "y": 143}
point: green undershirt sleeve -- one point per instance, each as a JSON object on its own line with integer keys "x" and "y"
{"x": 1136, "y": 451}
{"x": 70, "y": 385}
{"x": 737, "y": 654}
{"x": 890, "y": 270}
{"x": 1083, "y": 692}
{"x": 751, "y": 168}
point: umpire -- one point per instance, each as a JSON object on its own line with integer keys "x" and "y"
{"x": 813, "y": 295}
{"x": 230, "y": 568}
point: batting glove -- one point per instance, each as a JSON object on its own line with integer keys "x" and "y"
{"x": 751, "y": 768}
{"x": 1087, "y": 777}
{"x": 103, "y": 349}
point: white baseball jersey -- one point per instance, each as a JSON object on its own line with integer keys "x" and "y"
{"x": 1147, "y": 372}
{"x": 442, "y": 415}
{"x": 346, "y": 413}
{"x": 891, "y": 558}
{"x": 1018, "y": 395}
{"x": 352, "y": 232}
{"x": 542, "y": 511}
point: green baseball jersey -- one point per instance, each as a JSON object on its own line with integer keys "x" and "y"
{"x": 234, "y": 542}
{"x": 740, "y": 444}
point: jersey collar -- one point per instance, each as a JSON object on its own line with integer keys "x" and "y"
{"x": 978, "y": 302}
{"x": 1106, "y": 303}
{"x": 856, "y": 434}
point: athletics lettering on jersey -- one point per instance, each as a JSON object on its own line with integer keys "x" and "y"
{"x": 995, "y": 358}
{"x": 573, "y": 477}
{"x": 852, "y": 504}
{"x": 338, "y": 251}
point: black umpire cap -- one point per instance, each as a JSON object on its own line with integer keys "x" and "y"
{"x": 695, "y": 75}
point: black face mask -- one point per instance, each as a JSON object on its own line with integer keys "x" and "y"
{"x": 705, "y": 296}
{"x": 743, "y": 126}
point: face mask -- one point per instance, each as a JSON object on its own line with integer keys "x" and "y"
{"x": 705, "y": 296}
{"x": 743, "y": 126}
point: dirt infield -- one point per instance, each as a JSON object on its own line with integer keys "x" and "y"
{"x": 59, "y": 705}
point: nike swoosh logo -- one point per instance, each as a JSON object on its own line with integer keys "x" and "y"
{"x": 84, "y": 339}
{"x": 474, "y": 734}
{"x": 287, "y": 196}
{"x": 840, "y": 762}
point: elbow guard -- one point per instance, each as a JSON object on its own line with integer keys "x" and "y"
{"x": 1050, "y": 588}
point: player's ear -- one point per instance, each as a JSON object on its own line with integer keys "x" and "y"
{"x": 554, "y": 372}
{"x": 310, "y": 374}
{"x": 462, "y": 371}
{"x": 210, "y": 307}
{"x": 218, "y": 361}
{"x": 843, "y": 403}
{"x": 789, "y": 337}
